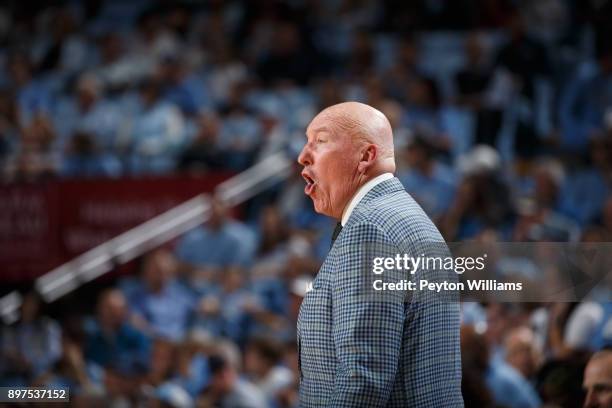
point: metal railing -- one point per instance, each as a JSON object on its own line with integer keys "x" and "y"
{"x": 150, "y": 234}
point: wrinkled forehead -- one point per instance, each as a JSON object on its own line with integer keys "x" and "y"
{"x": 328, "y": 123}
{"x": 319, "y": 123}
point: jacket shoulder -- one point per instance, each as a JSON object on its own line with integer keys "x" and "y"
{"x": 399, "y": 216}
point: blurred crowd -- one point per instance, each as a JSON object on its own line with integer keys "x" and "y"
{"x": 502, "y": 116}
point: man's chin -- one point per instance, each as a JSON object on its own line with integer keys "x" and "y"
{"x": 320, "y": 209}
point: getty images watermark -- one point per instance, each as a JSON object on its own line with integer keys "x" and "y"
{"x": 459, "y": 265}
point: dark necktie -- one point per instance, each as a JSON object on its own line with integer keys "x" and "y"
{"x": 336, "y": 233}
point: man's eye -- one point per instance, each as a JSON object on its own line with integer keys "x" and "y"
{"x": 321, "y": 140}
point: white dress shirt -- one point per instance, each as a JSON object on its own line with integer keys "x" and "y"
{"x": 362, "y": 193}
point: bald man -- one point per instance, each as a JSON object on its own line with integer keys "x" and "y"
{"x": 361, "y": 347}
{"x": 597, "y": 380}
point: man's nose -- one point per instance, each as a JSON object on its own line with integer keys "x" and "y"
{"x": 305, "y": 157}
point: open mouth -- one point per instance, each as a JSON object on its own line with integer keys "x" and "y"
{"x": 310, "y": 184}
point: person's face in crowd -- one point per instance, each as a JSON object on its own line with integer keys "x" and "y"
{"x": 208, "y": 128}
{"x": 30, "y": 308}
{"x": 112, "y": 310}
{"x": 20, "y": 70}
{"x": 496, "y": 324}
{"x": 159, "y": 269}
{"x": 520, "y": 352}
{"x": 39, "y": 135}
{"x": 408, "y": 53}
{"x": 271, "y": 222}
{"x": 87, "y": 94}
{"x": 111, "y": 48}
{"x": 218, "y": 215}
{"x": 171, "y": 70}
{"x": 474, "y": 49}
{"x": 149, "y": 93}
{"x": 223, "y": 381}
{"x": 474, "y": 348}
{"x": 287, "y": 39}
{"x": 330, "y": 159}
{"x": 416, "y": 156}
{"x": 291, "y": 359}
{"x": 545, "y": 189}
{"x": 420, "y": 94}
{"x": 162, "y": 359}
{"x": 233, "y": 279}
{"x": 598, "y": 381}
{"x": 254, "y": 363}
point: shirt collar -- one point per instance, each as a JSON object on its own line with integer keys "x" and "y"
{"x": 363, "y": 190}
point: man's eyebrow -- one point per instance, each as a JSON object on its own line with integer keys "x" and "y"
{"x": 319, "y": 129}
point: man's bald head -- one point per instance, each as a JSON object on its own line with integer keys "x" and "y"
{"x": 364, "y": 124}
{"x": 597, "y": 380}
{"x": 348, "y": 144}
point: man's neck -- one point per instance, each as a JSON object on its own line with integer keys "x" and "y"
{"x": 363, "y": 189}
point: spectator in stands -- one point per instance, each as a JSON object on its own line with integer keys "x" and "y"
{"x": 472, "y": 84}
{"x": 64, "y": 50}
{"x": 584, "y": 330}
{"x": 227, "y": 389}
{"x": 8, "y": 126}
{"x": 524, "y": 57}
{"x": 561, "y": 382}
{"x": 404, "y": 69}
{"x": 73, "y": 372}
{"x": 84, "y": 159}
{"x": 158, "y": 132}
{"x": 598, "y": 380}
{"x": 262, "y": 362}
{"x": 288, "y": 57}
{"x": 117, "y": 67}
{"x": 34, "y": 158}
{"x": 31, "y": 347}
{"x": 431, "y": 183}
{"x": 423, "y": 112}
{"x": 240, "y": 134}
{"x": 161, "y": 305}
{"x": 192, "y": 372}
{"x": 238, "y": 304}
{"x": 227, "y": 242}
{"x": 482, "y": 200}
{"x": 204, "y": 153}
{"x": 541, "y": 219}
{"x": 89, "y": 112}
{"x": 585, "y": 102}
{"x": 474, "y": 365}
{"x": 225, "y": 72}
{"x": 162, "y": 363}
{"x": 32, "y": 94}
{"x": 588, "y": 187}
{"x": 152, "y": 40}
{"x": 506, "y": 386}
{"x": 111, "y": 341}
{"x": 520, "y": 351}
{"x": 361, "y": 58}
{"x": 181, "y": 87}
{"x": 288, "y": 396}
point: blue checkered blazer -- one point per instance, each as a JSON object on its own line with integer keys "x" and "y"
{"x": 363, "y": 348}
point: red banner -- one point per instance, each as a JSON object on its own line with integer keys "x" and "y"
{"x": 44, "y": 225}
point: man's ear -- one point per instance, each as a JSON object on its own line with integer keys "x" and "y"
{"x": 368, "y": 158}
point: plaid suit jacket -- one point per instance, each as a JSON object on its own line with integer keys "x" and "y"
{"x": 364, "y": 348}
